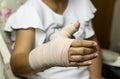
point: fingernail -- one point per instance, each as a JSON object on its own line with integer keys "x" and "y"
{"x": 95, "y": 44}
{"x": 89, "y": 62}
{"x": 96, "y": 54}
{"x": 77, "y": 24}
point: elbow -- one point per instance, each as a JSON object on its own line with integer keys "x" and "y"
{"x": 18, "y": 66}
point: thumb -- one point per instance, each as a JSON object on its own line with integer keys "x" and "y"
{"x": 70, "y": 29}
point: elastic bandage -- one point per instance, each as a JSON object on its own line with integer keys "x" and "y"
{"x": 54, "y": 52}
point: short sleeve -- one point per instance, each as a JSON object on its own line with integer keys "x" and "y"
{"x": 85, "y": 32}
{"x": 25, "y": 17}
{"x": 87, "y": 11}
{"x": 92, "y": 7}
{"x": 89, "y": 31}
{"x": 85, "y": 15}
{"x": 9, "y": 23}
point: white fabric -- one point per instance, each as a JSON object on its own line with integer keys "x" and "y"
{"x": 36, "y": 14}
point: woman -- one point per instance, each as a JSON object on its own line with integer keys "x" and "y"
{"x": 44, "y": 49}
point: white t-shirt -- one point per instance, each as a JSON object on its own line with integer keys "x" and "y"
{"x": 36, "y": 14}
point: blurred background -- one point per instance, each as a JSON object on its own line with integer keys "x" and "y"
{"x": 106, "y": 24}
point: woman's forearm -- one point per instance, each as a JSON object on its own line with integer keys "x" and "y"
{"x": 95, "y": 68}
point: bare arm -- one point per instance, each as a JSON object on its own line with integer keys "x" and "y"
{"x": 25, "y": 42}
{"x": 95, "y": 68}
{"x": 23, "y": 45}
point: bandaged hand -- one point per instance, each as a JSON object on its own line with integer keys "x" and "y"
{"x": 81, "y": 52}
{"x": 59, "y": 51}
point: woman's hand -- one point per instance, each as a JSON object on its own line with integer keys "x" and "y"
{"x": 82, "y": 52}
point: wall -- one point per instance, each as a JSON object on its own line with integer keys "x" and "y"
{"x": 103, "y": 21}
{"x": 115, "y": 34}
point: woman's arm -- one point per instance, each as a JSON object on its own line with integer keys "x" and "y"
{"x": 23, "y": 45}
{"x": 95, "y": 68}
{"x": 24, "y": 56}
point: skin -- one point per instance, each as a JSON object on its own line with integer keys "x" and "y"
{"x": 57, "y": 6}
{"x": 95, "y": 68}
{"x": 81, "y": 52}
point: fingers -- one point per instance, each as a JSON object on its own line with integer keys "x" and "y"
{"x": 76, "y": 64}
{"x": 83, "y": 43}
{"x": 81, "y": 50}
{"x": 68, "y": 30}
{"x": 80, "y": 58}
